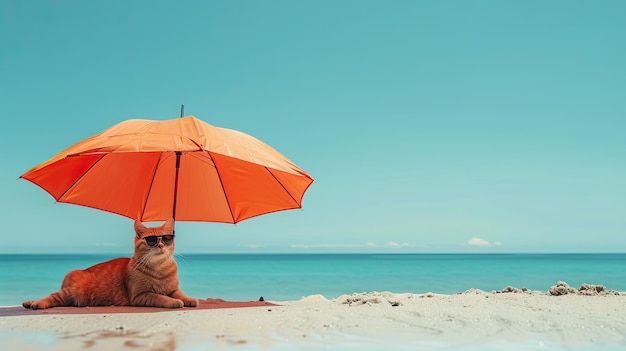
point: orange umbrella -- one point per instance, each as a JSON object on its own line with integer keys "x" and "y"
{"x": 182, "y": 168}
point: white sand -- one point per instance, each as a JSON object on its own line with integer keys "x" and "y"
{"x": 470, "y": 320}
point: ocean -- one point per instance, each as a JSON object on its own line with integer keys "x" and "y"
{"x": 281, "y": 277}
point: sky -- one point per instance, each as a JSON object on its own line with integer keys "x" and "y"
{"x": 429, "y": 126}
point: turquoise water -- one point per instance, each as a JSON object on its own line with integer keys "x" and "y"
{"x": 279, "y": 277}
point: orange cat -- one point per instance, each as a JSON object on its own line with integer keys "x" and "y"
{"x": 149, "y": 278}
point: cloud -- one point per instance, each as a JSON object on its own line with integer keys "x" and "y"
{"x": 395, "y": 244}
{"x": 478, "y": 242}
{"x": 369, "y": 245}
{"x": 106, "y": 244}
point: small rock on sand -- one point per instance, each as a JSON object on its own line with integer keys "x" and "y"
{"x": 372, "y": 298}
{"x": 562, "y": 288}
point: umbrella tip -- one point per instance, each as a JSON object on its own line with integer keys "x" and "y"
{"x": 182, "y": 110}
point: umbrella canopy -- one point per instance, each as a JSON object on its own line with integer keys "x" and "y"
{"x": 183, "y": 168}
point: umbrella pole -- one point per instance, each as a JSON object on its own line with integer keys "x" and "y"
{"x": 178, "y": 154}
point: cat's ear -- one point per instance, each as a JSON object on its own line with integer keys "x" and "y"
{"x": 169, "y": 225}
{"x": 139, "y": 228}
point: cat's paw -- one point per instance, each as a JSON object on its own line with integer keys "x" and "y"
{"x": 176, "y": 303}
{"x": 34, "y": 305}
{"x": 191, "y": 303}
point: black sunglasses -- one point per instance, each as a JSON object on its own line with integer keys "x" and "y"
{"x": 154, "y": 240}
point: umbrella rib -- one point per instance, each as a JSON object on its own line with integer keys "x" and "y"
{"x": 217, "y": 170}
{"x": 81, "y": 176}
{"x": 145, "y": 204}
{"x": 281, "y": 184}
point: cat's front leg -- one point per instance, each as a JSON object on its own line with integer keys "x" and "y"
{"x": 188, "y": 301}
{"x": 150, "y": 299}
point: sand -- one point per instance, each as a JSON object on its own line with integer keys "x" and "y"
{"x": 561, "y": 318}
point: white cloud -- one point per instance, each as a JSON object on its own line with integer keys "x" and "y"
{"x": 369, "y": 245}
{"x": 478, "y": 242}
{"x": 106, "y": 244}
{"x": 395, "y": 244}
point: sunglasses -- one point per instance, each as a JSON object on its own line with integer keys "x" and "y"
{"x": 154, "y": 240}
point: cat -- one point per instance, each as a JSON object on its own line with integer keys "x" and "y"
{"x": 149, "y": 278}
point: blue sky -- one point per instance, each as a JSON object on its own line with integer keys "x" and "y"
{"x": 429, "y": 126}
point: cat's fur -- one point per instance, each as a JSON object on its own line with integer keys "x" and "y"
{"x": 149, "y": 278}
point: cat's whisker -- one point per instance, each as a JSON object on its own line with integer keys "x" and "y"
{"x": 179, "y": 257}
{"x": 144, "y": 261}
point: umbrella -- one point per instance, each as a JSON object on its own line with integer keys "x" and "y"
{"x": 182, "y": 168}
